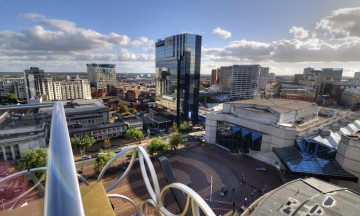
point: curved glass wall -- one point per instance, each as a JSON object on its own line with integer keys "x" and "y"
{"x": 236, "y": 138}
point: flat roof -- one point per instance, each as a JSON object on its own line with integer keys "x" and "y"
{"x": 307, "y": 197}
{"x": 278, "y": 105}
{"x": 159, "y": 119}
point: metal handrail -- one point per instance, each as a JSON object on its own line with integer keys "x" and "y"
{"x": 62, "y": 191}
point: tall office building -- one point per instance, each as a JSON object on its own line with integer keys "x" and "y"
{"x": 215, "y": 76}
{"x": 177, "y": 65}
{"x": 225, "y": 79}
{"x": 34, "y": 83}
{"x": 101, "y": 75}
{"x": 245, "y": 81}
{"x": 263, "y": 78}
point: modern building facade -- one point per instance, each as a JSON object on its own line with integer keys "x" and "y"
{"x": 215, "y": 75}
{"x": 177, "y": 67}
{"x": 101, "y": 75}
{"x": 225, "y": 79}
{"x": 245, "y": 81}
{"x": 263, "y": 78}
{"x": 13, "y": 85}
{"x": 34, "y": 83}
{"x": 255, "y": 127}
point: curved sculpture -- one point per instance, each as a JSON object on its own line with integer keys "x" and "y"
{"x": 156, "y": 196}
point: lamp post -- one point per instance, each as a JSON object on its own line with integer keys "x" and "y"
{"x": 211, "y": 187}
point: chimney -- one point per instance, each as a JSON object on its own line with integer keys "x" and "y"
{"x": 335, "y": 127}
{"x": 324, "y": 132}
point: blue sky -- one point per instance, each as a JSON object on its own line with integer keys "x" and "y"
{"x": 62, "y": 36}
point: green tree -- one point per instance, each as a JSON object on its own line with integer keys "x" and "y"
{"x": 184, "y": 127}
{"x": 132, "y": 110}
{"x": 82, "y": 143}
{"x": 11, "y": 99}
{"x": 175, "y": 140}
{"x": 102, "y": 159}
{"x": 74, "y": 142}
{"x": 85, "y": 142}
{"x": 33, "y": 158}
{"x": 175, "y": 127}
{"x": 133, "y": 134}
{"x": 157, "y": 145}
{"x": 123, "y": 109}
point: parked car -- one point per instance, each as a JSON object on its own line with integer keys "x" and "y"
{"x": 86, "y": 157}
{"x": 260, "y": 168}
{"x": 117, "y": 150}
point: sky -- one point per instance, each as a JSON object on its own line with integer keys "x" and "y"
{"x": 286, "y": 36}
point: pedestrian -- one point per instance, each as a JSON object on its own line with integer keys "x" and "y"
{"x": 233, "y": 190}
{"x": 245, "y": 202}
{"x": 233, "y": 207}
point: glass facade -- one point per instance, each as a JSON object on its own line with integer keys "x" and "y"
{"x": 237, "y": 139}
{"x": 177, "y": 66}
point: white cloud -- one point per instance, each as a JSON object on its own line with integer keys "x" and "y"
{"x": 52, "y": 40}
{"x": 222, "y": 33}
{"x": 299, "y": 32}
{"x": 341, "y": 23}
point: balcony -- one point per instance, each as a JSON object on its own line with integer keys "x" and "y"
{"x": 65, "y": 192}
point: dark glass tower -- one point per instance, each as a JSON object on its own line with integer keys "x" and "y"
{"x": 177, "y": 66}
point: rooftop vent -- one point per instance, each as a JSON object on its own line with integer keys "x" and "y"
{"x": 324, "y": 132}
{"x": 335, "y": 127}
{"x": 343, "y": 122}
{"x": 351, "y": 118}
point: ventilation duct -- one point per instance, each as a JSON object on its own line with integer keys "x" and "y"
{"x": 335, "y": 127}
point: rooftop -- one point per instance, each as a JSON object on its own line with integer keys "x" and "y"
{"x": 278, "y": 105}
{"x": 307, "y": 197}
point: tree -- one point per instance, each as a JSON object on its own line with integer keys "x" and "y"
{"x": 33, "y": 158}
{"x": 83, "y": 143}
{"x": 157, "y": 145}
{"x": 123, "y": 109}
{"x": 133, "y": 134}
{"x": 184, "y": 127}
{"x": 102, "y": 159}
{"x": 74, "y": 142}
{"x": 175, "y": 140}
{"x": 175, "y": 127}
{"x": 11, "y": 99}
{"x": 132, "y": 110}
{"x": 87, "y": 142}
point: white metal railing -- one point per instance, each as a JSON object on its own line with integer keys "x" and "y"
{"x": 62, "y": 192}
{"x": 193, "y": 202}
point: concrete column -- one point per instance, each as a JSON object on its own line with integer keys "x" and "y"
{"x": 12, "y": 152}
{"x": 4, "y": 153}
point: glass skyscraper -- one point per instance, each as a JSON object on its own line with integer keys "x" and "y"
{"x": 177, "y": 66}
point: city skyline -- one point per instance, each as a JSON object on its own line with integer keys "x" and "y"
{"x": 284, "y": 36}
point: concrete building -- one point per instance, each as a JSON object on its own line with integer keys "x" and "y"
{"x": 263, "y": 78}
{"x": 357, "y": 77}
{"x": 177, "y": 67}
{"x": 225, "y": 79}
{"x": 134, "y": 123}
{"x": 13, "y": 85}
{"x": 308, "y": 196}
{"x": 255, "y": 127}
{"x": 20, "y": 131}
{"x": 101, "y": 75}
{"x": 35, "y": 83}
{"x": 215, "y": 75}
{"x": 350, "y": 96}
{"x": 99, "y": 132}
{"x": 245, "y": 81}
{"x": 82, "y": 113}
{"x": 72, "y": 89}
